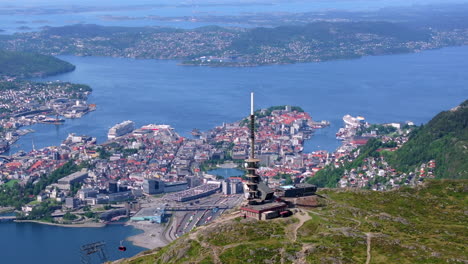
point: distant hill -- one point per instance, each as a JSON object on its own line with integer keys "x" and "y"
{"x": 23, "y": 64}
{"x": 325, "y": 35}
{"x": 444, "y": 139}
{"x": 426, "y": 224}
{"x": 218, "y": 46}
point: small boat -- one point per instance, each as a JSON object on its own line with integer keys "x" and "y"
{"x": 196, "y": 132}
{"x": 50, "y": 120}
{"x": 122, "y": 247}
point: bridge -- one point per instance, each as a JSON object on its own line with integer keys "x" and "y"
{"x": 194, "y": 208}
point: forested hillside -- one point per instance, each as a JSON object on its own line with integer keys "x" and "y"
{"x": 23, "y": 64}
{"x": 444, "y": 139}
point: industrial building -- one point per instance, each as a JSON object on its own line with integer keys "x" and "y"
{"x": 71, "y": 202}
{"x": 154, "y": 215}
{"x": 264, "y": 211}
{"x": 154, "y": 186}
{"x": 112, "y": 187}
{"x": 175, "y": 186}
{"x": 296, "y": 190}
{"x": 151, "y": 186}
{"x": 232, "y": 185}
{"x": 87, "y": 192}
{"x": 194, "y": 193}
{"x": 66, "y": 182}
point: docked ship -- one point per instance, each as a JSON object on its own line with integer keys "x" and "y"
{"x": 54, "y": 121}
{"x": 196, "y": 133}
{"x": 121, "y": 129}
{"x": 352, "y": 121}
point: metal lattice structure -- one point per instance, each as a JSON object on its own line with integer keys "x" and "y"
{"x": 259, "y": 192}
{"x": 93, "y": 248}
{"x": 252, "y": 163}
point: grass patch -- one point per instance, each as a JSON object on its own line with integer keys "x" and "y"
{"x": 253, "y": 253}
{"x": 11, "y": 183}
{"x": 245, "y": 231}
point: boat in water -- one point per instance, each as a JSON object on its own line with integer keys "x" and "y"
{"x": 53, "y": 121}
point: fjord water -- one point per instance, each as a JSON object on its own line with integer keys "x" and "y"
{"x": 393, "y": 88}
{"x": 36, "y": 243}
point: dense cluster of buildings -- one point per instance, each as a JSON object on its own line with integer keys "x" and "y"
{"x": 155, "y": 160}
{"x": 375, "y": 173}
{"x": 25, "y": 103}
{"x": 154, "y": 44}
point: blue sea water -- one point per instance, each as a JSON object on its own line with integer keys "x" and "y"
{"x": 393, "y": 88}
{"x": 36, "y": 243}
{"x": 226, "y": 172}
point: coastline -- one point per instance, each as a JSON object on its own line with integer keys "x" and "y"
{"x": 152, "y": 235}
{"x": 4, "y": 210}
{"x": 83, "y": 225}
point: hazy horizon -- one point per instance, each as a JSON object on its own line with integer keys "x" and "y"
{"x": 18, "y": 3}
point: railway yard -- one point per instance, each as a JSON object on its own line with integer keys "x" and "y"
{"x": 179, "y": 218}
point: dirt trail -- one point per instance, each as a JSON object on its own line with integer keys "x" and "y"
{"x": 303, "y": 217}
{"x": 369, "y": 238}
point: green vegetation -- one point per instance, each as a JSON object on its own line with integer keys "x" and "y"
{"x": 75, "y": 187}
{"x": 380, "y": 129}
{"x": 444, "y": 139}
{"x": 68, "y": 168}
{"x": 326, "y": 34}
{"x": 11, "y": 183}
{"x": 426, "y": 224}
{"x": 287, "y": 177}
{"x": 17, "y": 195}
{"x": 69, "y": 216}
{"x": 103, "y": 153}
{"x": 25, "y": 64}
{"x": 329, "y": 176}
{"x": 41, "y": 212}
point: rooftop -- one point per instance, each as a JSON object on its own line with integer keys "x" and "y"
{"x": 263, "y": 207}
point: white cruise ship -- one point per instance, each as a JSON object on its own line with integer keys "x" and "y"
{"x": 121, "y": 129}
{"x": 351, "y": 121}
